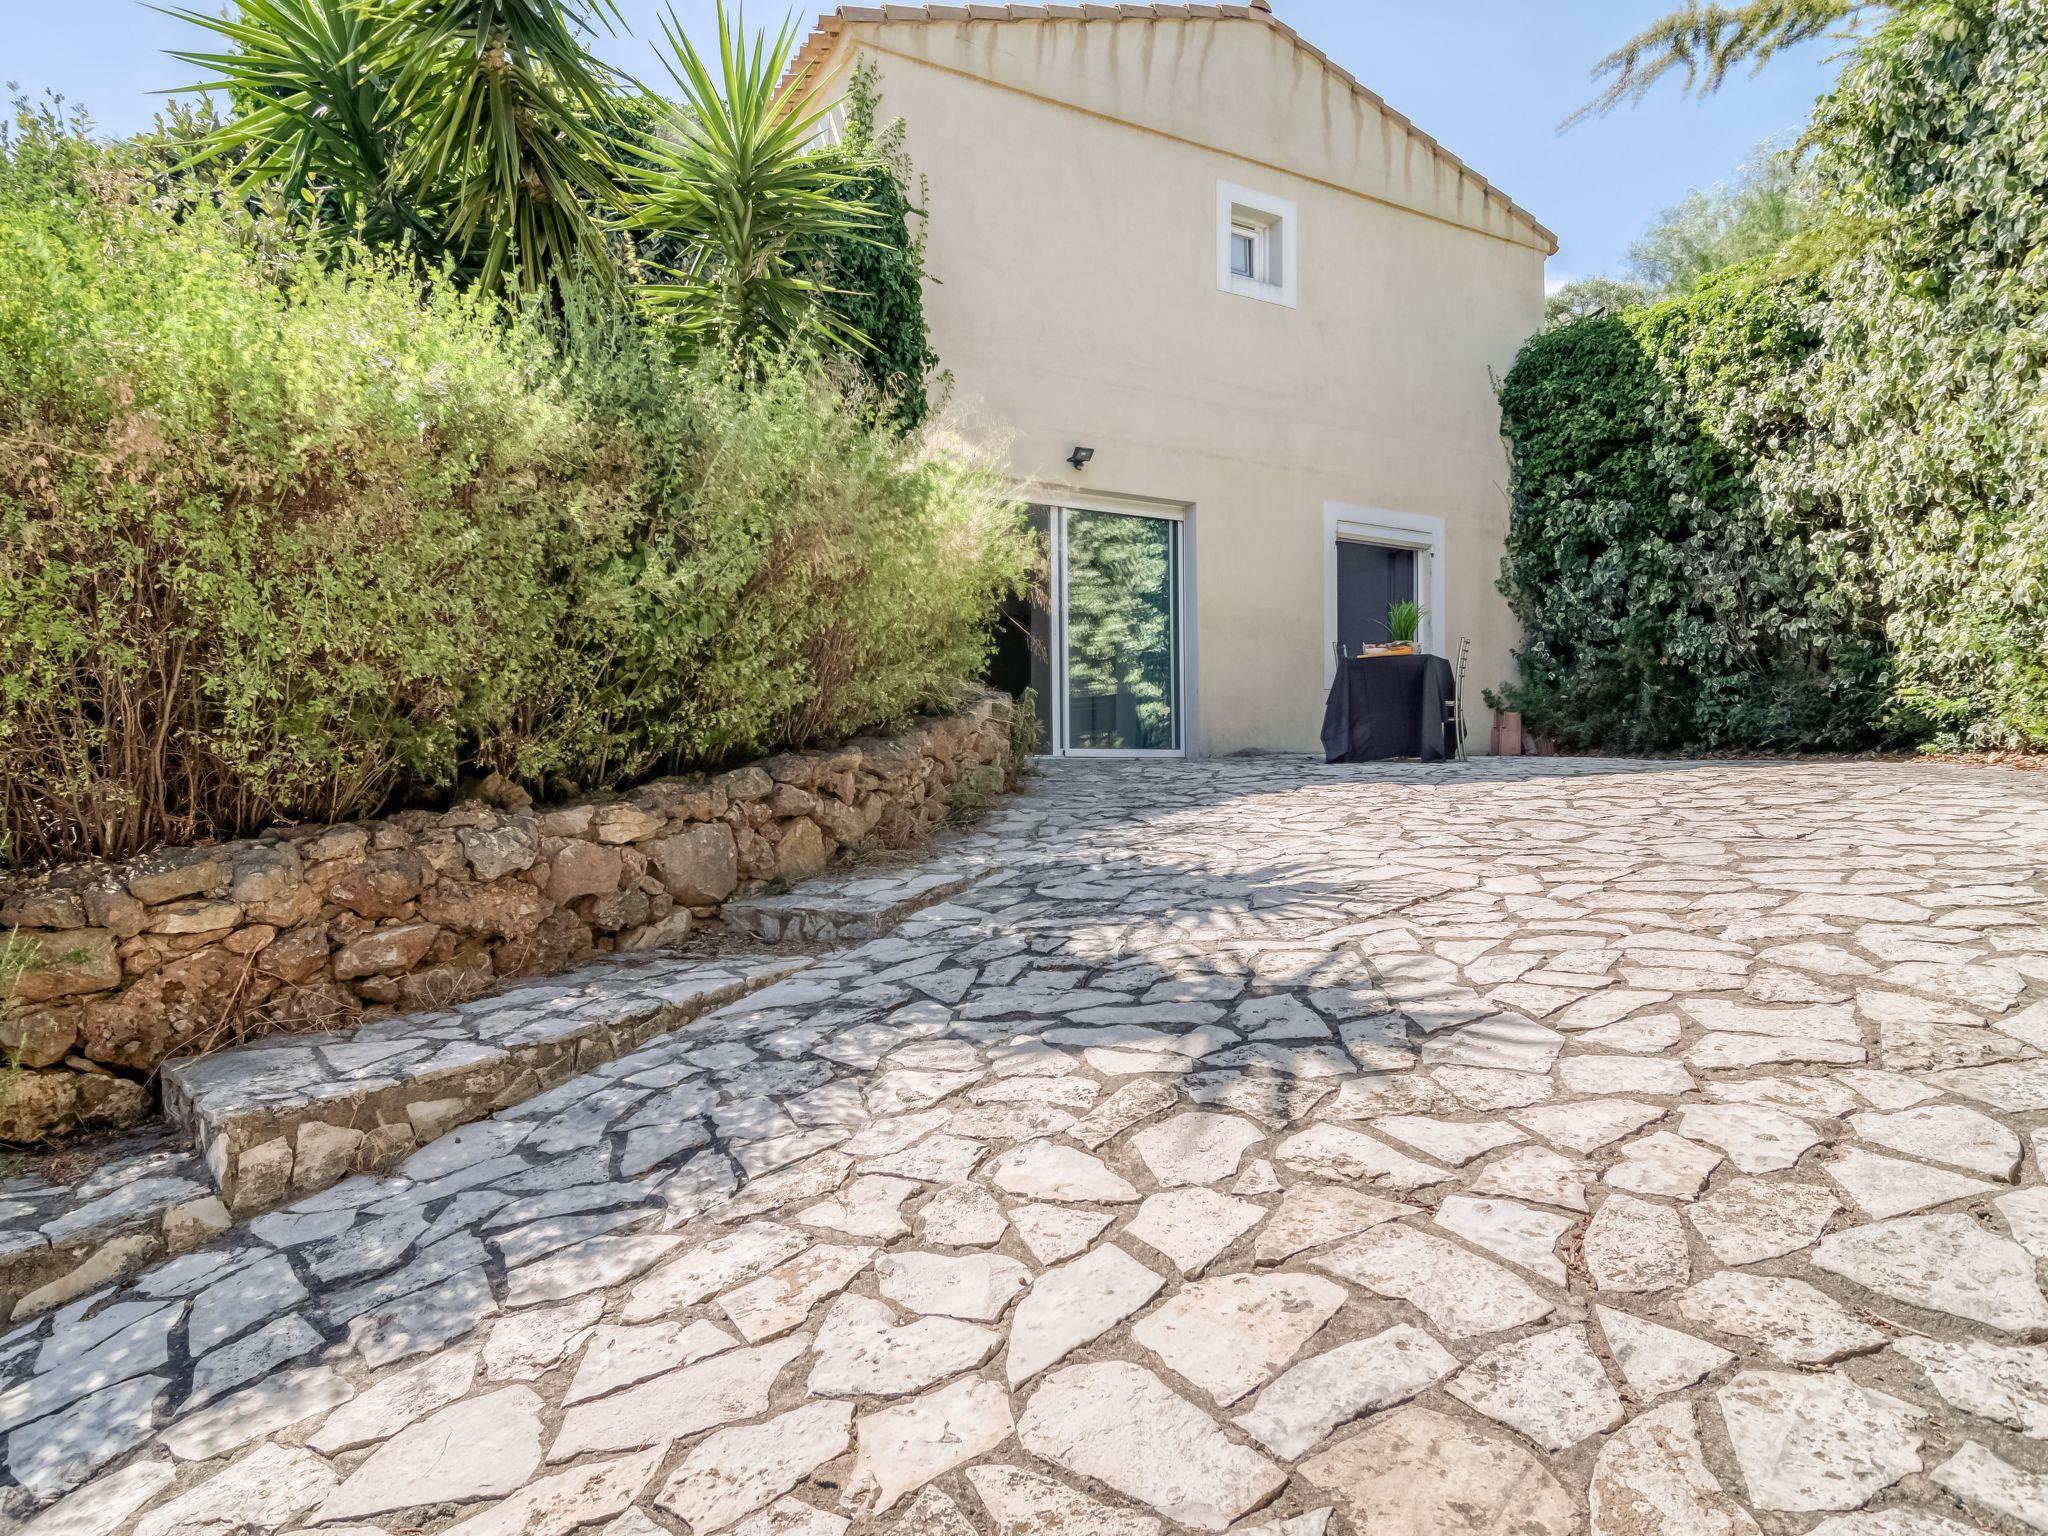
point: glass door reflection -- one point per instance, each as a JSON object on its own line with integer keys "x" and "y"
{"x": 1099, "y": 638}
{"x": 1122, "y": 632}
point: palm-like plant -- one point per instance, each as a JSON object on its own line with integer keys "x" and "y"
{"x": 503, "y": 101}
{"x": 474, "y": 127}
{"x": 1706, "y": 41}
{"x": 313, "y": 116}
{"x": 731, "y": 175}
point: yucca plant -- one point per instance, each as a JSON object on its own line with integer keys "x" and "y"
{"x": 471, "y": 128}
{"x": 503, "y": 102}
{"x": 313, "y": 118}
{"x": 731, "y": 176}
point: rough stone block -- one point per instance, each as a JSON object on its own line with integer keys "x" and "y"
{"x": 384, "y": 885}
{"x": 624, "y": 822}
{"x": 616, "y": 911}
{"x": 163, "y": 877}
{"x": 252, "y": 940}
{"x": 38, "y": 1037}
{"x": 505, "y": 909}
{"x": 494, "y": 852}
{"x": 194, "y": 915}
{"x": 703, "y": 803}
{"x": 442, "y": 850}
{"x": 670, "y": 933}
{"x": 335, "y": 843}
{"x": 261, "y": 873}
{"x": 749, "y": 783}
{"x": 568, "y": 821}
{"x": 109, "y": 906}
{"x": 801, "y": 853}
{"x": 698, "y": 866}
{"x": 386, "y": 1144}
{"x": 67, "y": 962}
{"x": 554, "y": 943}
{"x": 108, "y": 1263}
{"x": 582, "y": 869}
{"x": 263, "y": 1177}
{"x": 42, "y": 1106}
{"x": 163, "y": 1010}
{"x": 385, "y": 951}
{"x": 433, "y": 1118}
{"x": 43, "y": 906}
{"x": 787, "y": 800}
{"x": 195, "y": 1223}
{"x": 322, "y": 1154}
{"x": 843, "y": 822}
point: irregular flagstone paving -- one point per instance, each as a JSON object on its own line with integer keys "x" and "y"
{"x": 1510, "y": 1149}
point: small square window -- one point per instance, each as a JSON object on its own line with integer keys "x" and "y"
{"x": 1255, "y": 245}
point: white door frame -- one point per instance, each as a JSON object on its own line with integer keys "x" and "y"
{"x": 1183, "y": 688}
{"x": 1419, "y": 531}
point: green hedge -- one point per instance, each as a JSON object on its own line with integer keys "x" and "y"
{"x": 281, "y": 540}
{"x": 1667, "y": 603}
{"x": 1928, "y": 401}
{"x": 1809, "y": 508}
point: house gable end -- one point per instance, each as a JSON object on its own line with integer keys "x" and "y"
{"x": 1226, "y": 78}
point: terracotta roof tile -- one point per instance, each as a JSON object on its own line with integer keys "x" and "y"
{"x": 833, "y": 23}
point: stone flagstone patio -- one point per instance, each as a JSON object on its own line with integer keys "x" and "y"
{"x": 1516, "y": 1148}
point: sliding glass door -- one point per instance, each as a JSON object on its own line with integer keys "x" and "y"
{"x": 1106, "y": 633}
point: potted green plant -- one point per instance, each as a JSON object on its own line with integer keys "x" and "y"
{"x": 1403, "y": 621}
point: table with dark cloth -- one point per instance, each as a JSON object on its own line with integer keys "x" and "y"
{"x": 1390, "y": 706}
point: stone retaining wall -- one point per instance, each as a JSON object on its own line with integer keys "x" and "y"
{"x": 190, "y": 949}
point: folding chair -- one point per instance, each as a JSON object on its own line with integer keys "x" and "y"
{"x": 1454, "y": 712}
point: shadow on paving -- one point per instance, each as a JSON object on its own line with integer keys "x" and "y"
{"x": 1260, "y": 1147}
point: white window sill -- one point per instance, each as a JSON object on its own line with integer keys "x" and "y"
{"x": 1265, "y": 293}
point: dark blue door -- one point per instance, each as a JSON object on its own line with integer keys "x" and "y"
{"x": 1371, "y": 578}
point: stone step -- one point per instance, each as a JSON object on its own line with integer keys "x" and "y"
{"x": 290, "y": 1114}
{"x": 58, "y": 1241}
{"x": 853, "y": 907}
{"x": 287, "y": 1115}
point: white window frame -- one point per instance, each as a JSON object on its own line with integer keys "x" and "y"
{"x": 1257, "y": 238}
{"x": 1276, "y": 258}
{"x": 1419, "y": 531}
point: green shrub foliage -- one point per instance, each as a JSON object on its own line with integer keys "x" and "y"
{"x": 1929, "y": 398}
{"x": 786, "y": 571}
{"x": 1667, "y": 603}
{"x": 1806, "y": 505}
{"x": 289, "y": 539}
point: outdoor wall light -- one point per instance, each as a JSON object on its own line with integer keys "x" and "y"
{"x": 1080, "y": 456}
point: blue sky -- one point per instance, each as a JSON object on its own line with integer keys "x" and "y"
{"x": 1491, "y": 79}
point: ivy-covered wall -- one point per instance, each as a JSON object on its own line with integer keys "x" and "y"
{"x": 1806, "y": 505}
{"x": 1668, "y": 602}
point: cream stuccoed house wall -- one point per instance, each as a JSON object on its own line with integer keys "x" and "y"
{"x": 1076, "y": 158}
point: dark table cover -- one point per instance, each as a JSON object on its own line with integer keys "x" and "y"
{"x": 1389, "y": 706}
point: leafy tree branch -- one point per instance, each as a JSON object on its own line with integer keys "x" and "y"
{"x": 1707, "y": 42}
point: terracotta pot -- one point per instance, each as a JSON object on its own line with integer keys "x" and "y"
{"x": 1507, "y": 733}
